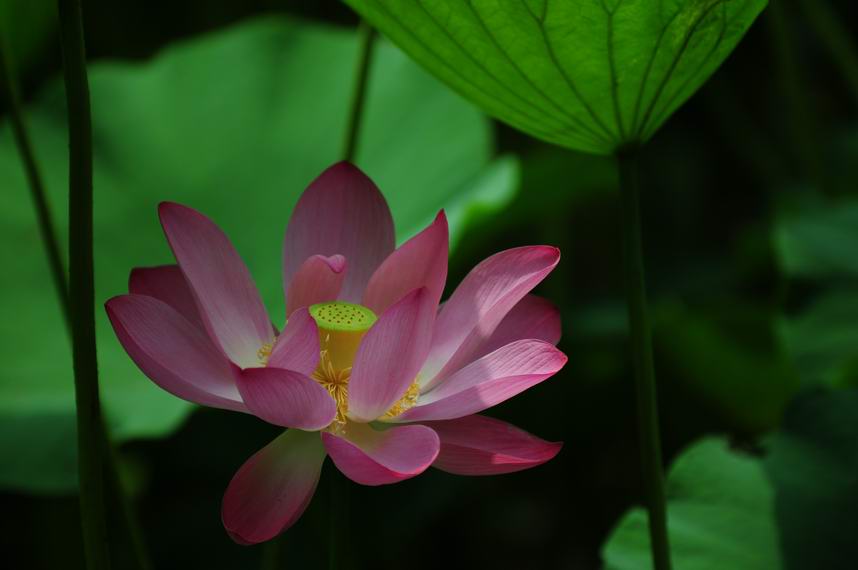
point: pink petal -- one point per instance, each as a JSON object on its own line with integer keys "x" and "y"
{"x": 297, "y": 347}
{"x": 341, "y": 212}
{"x": 371, "y": 457}
{"x": 173, "y": 353}
{"x": 390, "y": 355}
{"x": 318, "y": 280}
{"x": 419, "y": 262}
{"x": 228, "y": 300}
{"x": 286, "y": 398}
{"x": 488, "y": 381}
{"x": 273, "y": 488}
{"x": 532, "y": 318}
{"x": 479, "y": 445}
{"x": 168, "y": 284}
{"x": 480, "y": 303}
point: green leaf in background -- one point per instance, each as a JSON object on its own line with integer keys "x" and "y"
{"x": 235, "y": 124}
{"x": 793, "y": 508}
{"x": 589, "y": 75}
{"x": 822, "y": 340}
{"x": 820, "y": 241}
{"x": 733, "y": 361}
{"x": 721, "y": 512}
{"x": 812, "y": 464}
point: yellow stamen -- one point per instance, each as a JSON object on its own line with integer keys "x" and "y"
{"x": 336, "y": 382}
{"x": 405, "y": 402}
{"x": 264, "y": 353}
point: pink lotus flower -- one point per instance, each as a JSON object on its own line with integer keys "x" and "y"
{"x": 386, "y": 387}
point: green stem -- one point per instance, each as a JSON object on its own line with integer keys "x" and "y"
{"x": 366, "y": 39}
{"x": 272, "y": 553}
{"x": 37, "y": 188}
{"x": 114, "y": 491}
{"x": 82, "y": 290}
{"x": 836, "y": 38}
{"x": 641, "y": 341}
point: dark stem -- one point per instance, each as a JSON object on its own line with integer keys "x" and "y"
{"x": 82, "y": 290}
{"x": 114, "y": 492}
{"x": 641, "y": 341}
{"x": 836, "y": 39}
{"x": 366, "y": 39}
{"x": 339, "y": 520}
{"x": 37, "y": 188}
{"x": 272, "y": 553}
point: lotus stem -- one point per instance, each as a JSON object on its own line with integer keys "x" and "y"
{"x": 82, "y": 290}
{"x": 366, "y": 40}
{"x": 37, "y": 188}
{"x": 641, "y": 344}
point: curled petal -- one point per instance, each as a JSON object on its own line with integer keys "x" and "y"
{"x": 318, "y": 280}
{"x": 488, "y": 381}
{"x": 341, "y": 212}
{"x": 273, "y": 488}
{"x": 479, "y": 445}
{"x": 168, "y": 284}
{"x": 286, "y": 398}
{"x": 371, "y": 457}
{"x": 419, "y": 262}
{"x": 225, "y": 293}
{"x": 480, "y": 303}
{"x": 173, "y": 353}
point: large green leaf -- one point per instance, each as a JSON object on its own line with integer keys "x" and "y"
{"x": 793, "y": 507}
{"x": 235, "y": 124}
{"x": 590, "y": 75}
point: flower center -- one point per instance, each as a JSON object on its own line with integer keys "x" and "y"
{"x": 342, "y": 326}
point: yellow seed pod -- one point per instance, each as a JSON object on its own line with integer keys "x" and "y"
{"x": 341, "y": 328}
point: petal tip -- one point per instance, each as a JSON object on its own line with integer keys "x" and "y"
{"x": 553, "y": 449}
{"x": 170, "y": 211}
{"x": 344, "y": 168}
{"x": 552, "y": 251}
{"x": 110, "y": 305}
{"x": 336, "y": 263}
{"x": 166, "y": 206}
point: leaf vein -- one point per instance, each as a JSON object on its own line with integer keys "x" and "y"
{"x": 538, "y": 126}
{"x": 680, "y": 52}
{"x": 702, "y": 65}
{"x": 587, "y": 128}
{"x": 568, "y": 80}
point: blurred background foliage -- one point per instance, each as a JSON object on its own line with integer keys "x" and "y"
{"x": 751, "y": 237}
